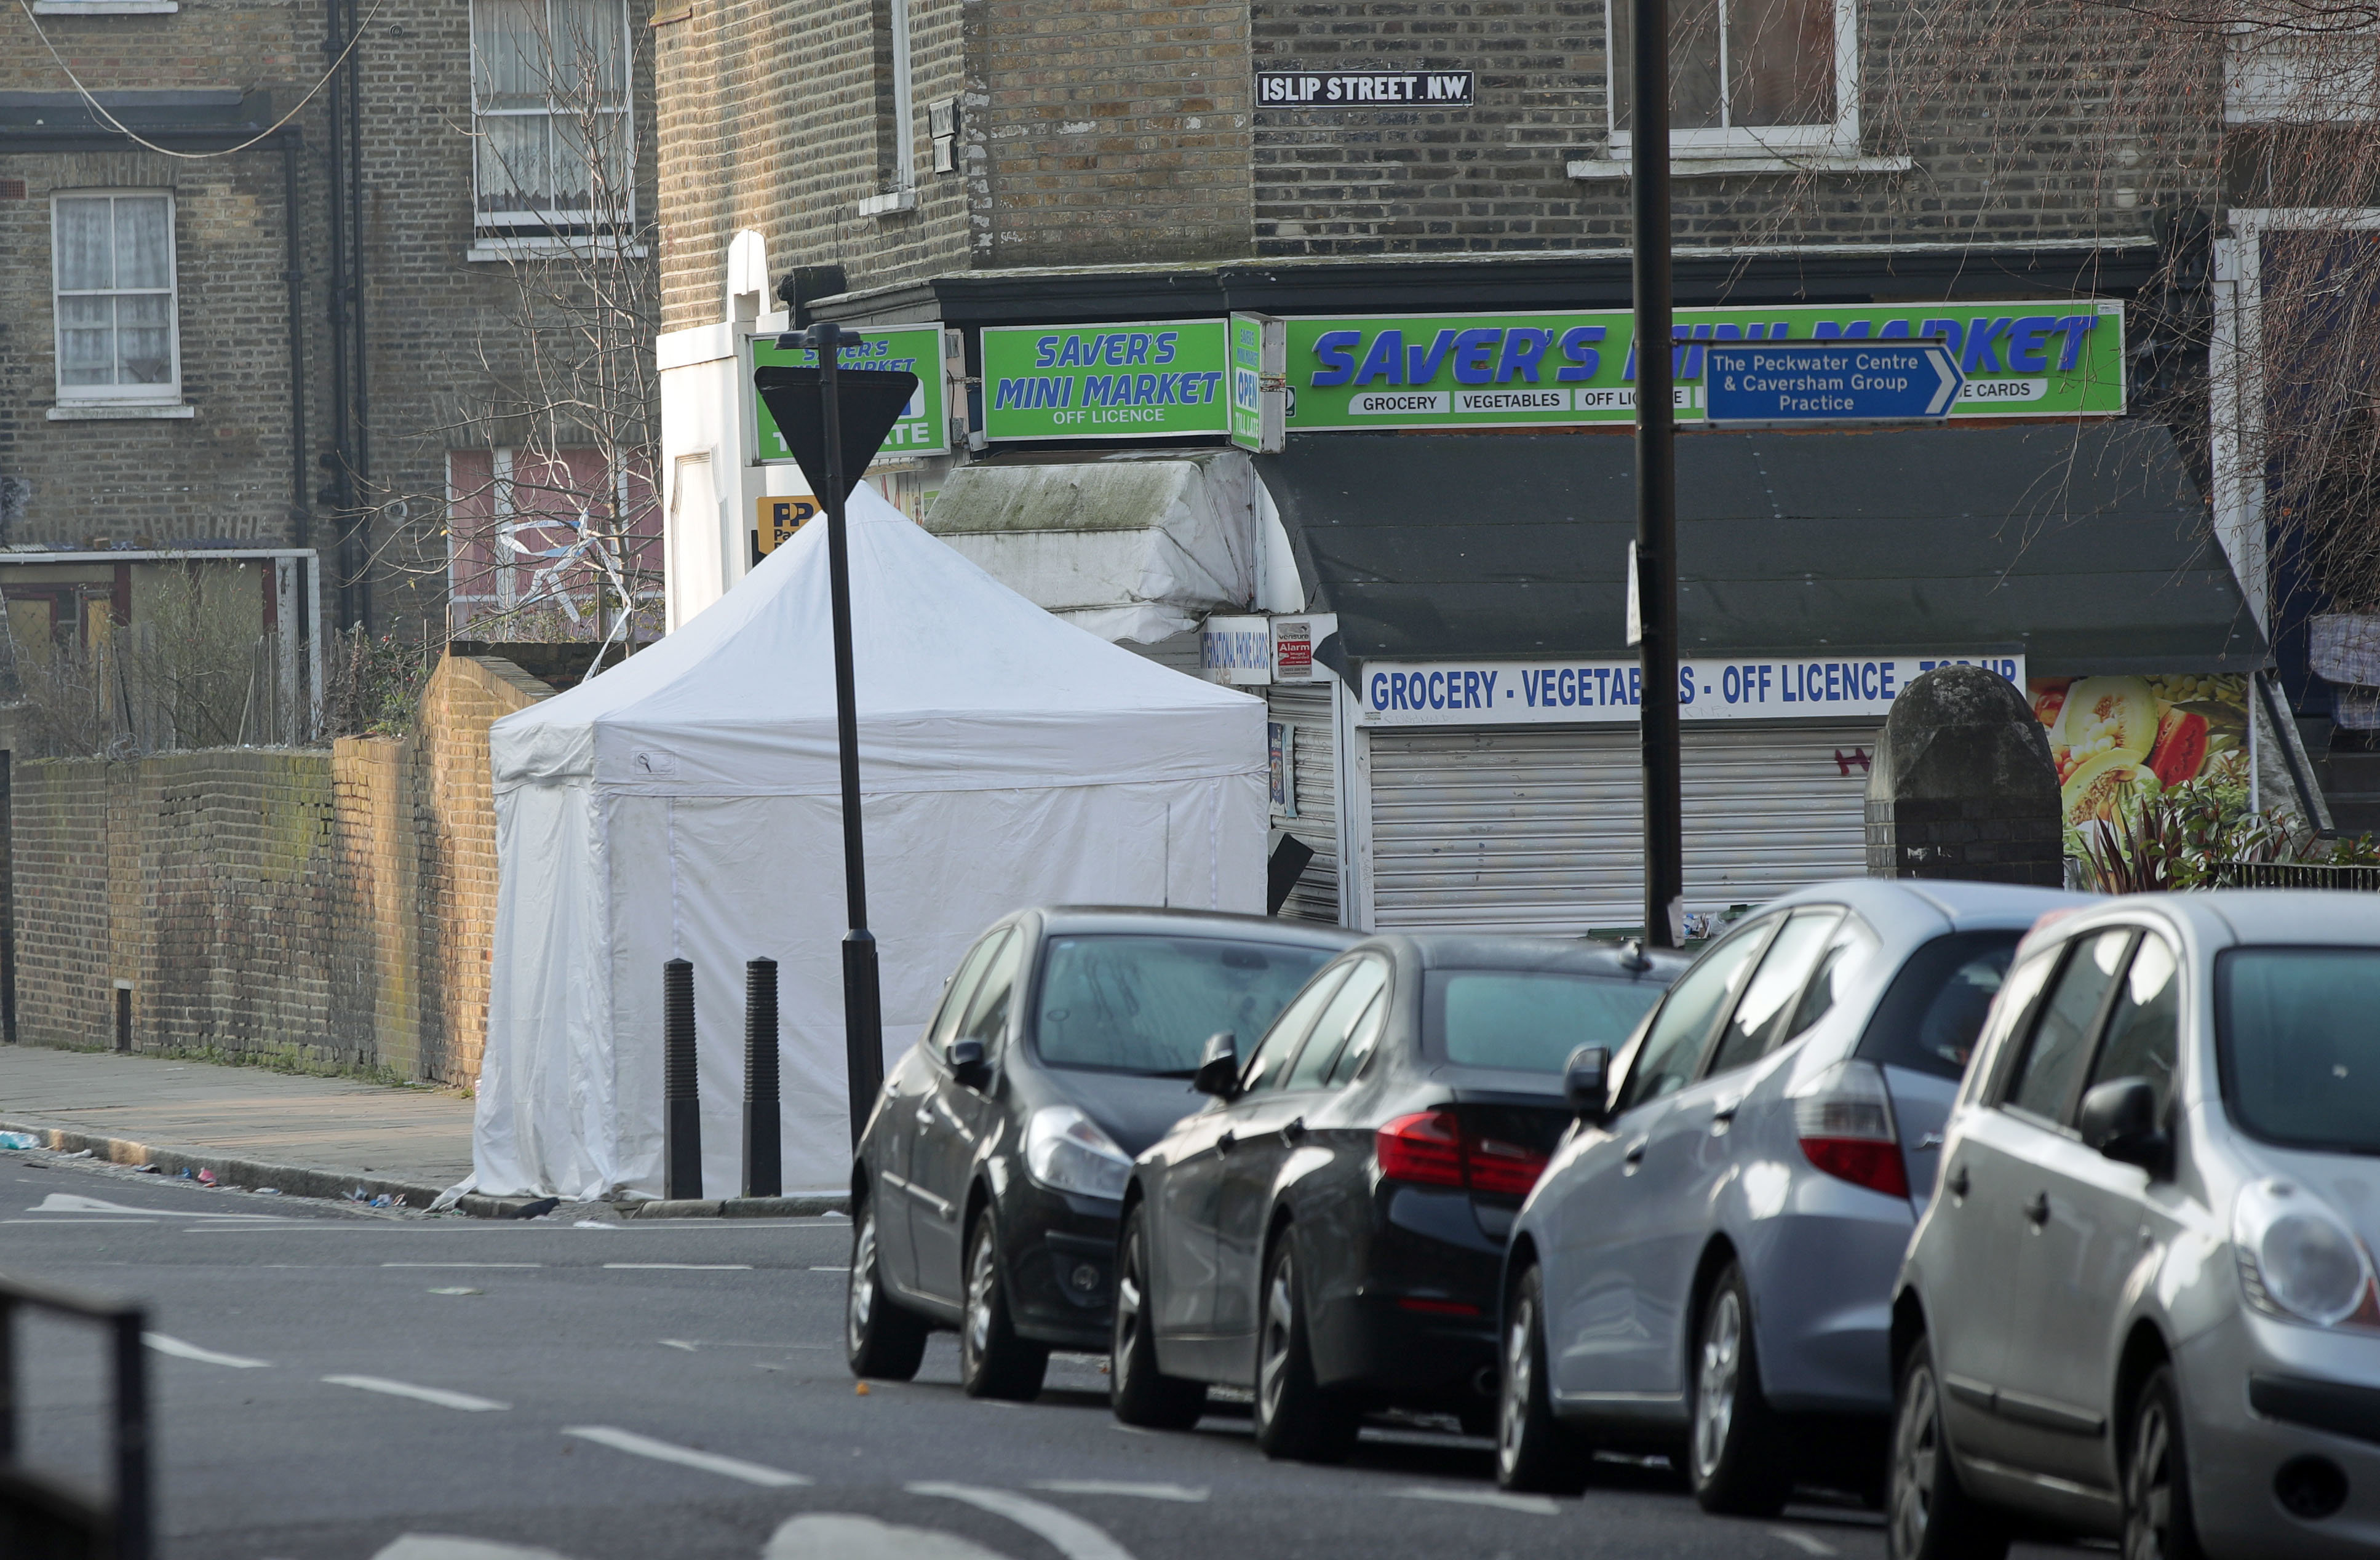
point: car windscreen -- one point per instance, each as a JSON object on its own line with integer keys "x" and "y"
{"x": 1930, "y": 1018}
{"x": 1123, "y": 1003}
{"x": 1527, "y": 1020}
{"x": 2299, "y": 1036}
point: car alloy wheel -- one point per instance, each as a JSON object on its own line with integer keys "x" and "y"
{"x": 994, "y": 1362}
{"x": 879, "y": 1339}
{"x": 1295, "y": 1418}
{"x": 1280, "y": 1318}
{"x": 1928, "y": 1515}
{"x": 1722, "y": 1356}
{"x": 2158, "y": 1523}
{"x": 1535, "y": 1451}
{"x": 1137, "y": 1391}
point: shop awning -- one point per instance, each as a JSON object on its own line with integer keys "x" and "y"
{"x": 1131, "y": 546}
{"x": 2086, "y": 548}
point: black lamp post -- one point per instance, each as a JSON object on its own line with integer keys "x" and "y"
{"x": 1655, "y": 578}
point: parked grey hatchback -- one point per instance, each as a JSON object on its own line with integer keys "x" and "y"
{"x": 1707, "y": 1266}
{"x": 2143, "y": 1303}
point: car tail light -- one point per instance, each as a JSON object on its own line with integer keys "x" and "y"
{"x": 1844, "y": 1120}
{"x": 1431, "y": 1148}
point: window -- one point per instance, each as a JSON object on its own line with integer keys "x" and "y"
{"x": 2144, "y": 1032}
{"x": 961, "y": 990}
{"x": 2300, "y": 1039}
{"x": 1932, "y": 1017}
{"x": 1359, "y": 997}
{"x": 1146, "y": 1004}
{"x": 1672, "y": 1048}
{"x": 1783, "y": 968}
{"x": 112, "y": 265}
{"x": 987, "y": 1019}
{"x": 896, "y": 150}
{"x": 1273, "y": 1053}
{"x": 1846, "y": 956}
{"x": 2043, "y": 1084}
{"x": 556, "y": 151}
{"x": 520, "y": 565}
{"x": 1527, "y": 1020}
{"x": 1778, "y": 76}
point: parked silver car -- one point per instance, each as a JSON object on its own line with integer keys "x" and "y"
{"x": 2143, "y": 1303}
{"x": 1707, "y": 1267}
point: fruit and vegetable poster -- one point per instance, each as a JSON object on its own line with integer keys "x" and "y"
{"x": 2119, "y": 740}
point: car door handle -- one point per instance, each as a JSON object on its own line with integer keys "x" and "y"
{"x": 1292, "y": 1129}
{"x": 1957, "y": 1183}
{"x": 1633, "y": 1160}
{"x": 1224, "y": 1143}
{"x": 1723, "y": 1118}
{"x": 925, "y": 1116}
{"x": 2036, "y": 1211}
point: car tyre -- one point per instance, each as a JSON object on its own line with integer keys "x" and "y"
{"x": 1928, "y": 1514}
{"x": 1138, "y": 1391}
{"x": 994, "y": 1362}
{"x": 1535, "y": 1451}
{"x": 1738, "y": 1458}
{"x": 2158, "y": 1521}
{"x": 1296, "y": 1418}
{"x": 879, "y": 1339}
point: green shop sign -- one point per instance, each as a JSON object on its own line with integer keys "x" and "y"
{"x": 925, "y": 425}
{"x": 1105, "y": 382}
{"x": 2052, "y": 358}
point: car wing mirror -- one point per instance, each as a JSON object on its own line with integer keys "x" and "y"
{"x": 1586, "y": 1082}
{"x": 968, "y": 1063}
{"x": 1219, "y": 1067}
{"x": 2118, "y": 1119}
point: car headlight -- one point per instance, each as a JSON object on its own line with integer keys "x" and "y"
{"x": 1065, "y": 1151}
{"x": 2297, "y": 1259}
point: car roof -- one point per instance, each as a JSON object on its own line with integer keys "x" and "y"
{"x": 1574, "y": 955}
{"x": 2343, "y": 918}
{"x": 1964, "y": 905}
{"x": 1149, "y": 919}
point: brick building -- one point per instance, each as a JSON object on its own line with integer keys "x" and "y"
{"x": 251, "y": 305}
{"x": 1414, "y": 214}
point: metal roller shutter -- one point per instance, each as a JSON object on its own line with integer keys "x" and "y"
{"x": 1541, "y": 830}
{"x": 1306, "y": 707}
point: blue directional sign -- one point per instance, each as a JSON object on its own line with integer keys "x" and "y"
{"x": 1838, "y": 380}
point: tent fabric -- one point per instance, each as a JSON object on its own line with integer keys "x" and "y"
{"x": 686, "y": 804}
{"x": 1127, "y": 546}
{"x": 2085, "y": 546}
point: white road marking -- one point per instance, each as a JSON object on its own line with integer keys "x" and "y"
{"x": 180, "y": 1350}
{"x": 437, "y": 1395}
{"x": 834, "y": 1536}
{"x": 463, "y": 1264}
{"x": 1804, "y": 1541}
{"x": 1119, "y": 1487}
{"x": 677, "y": 1343}
{"x": 690, "y": 1344}
{"x": 677, "y": 1267}
{"x": 1130, "y": 1429}
{"x": 1536, "y": 1506}
{"x": 1067, "y": 1533}
{"x": 440, "y": 1546}
{"x": 71, "y": 1203}
{"x": 78, "y": 1220}
{"x": 844, "y": 1269}
{"x": 637, "y": 1445}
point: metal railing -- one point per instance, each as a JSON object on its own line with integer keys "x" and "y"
{"x": 2296, "y": 874}
{"x": 45, "y": 1517}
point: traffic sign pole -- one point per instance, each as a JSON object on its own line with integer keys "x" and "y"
{"x": 1656, "y": 486}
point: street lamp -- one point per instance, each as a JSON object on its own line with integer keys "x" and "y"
{"x": 1654, "y": 577}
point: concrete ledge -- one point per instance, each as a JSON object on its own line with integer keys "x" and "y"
{"x": 291, "y": 1180}
{"x": 738, "y": 1208}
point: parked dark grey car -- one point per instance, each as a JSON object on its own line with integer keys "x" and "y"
{"x": 1329, "y": 1229}
{"x": 986, "y": 1191}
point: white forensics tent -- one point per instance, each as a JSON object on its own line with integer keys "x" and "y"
{"x": 684, "y": 804}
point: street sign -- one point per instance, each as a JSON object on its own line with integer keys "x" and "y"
{"x": 1836, "y": 381}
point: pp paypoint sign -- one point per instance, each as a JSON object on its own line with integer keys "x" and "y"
{"x": 1829, "y": 382}
{"x": 925, "y": 425}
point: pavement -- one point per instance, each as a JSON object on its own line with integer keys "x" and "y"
{"x": 308, "y": 1135}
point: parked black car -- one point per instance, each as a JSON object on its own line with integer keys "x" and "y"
{"x": 1329, "y": 1230}
{"x": 986, "y": 1188}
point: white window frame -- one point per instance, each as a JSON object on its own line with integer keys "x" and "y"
{"x": 1839, "y": 139}
{"x": 559, "y": 220}
{"x": 110, "y": 397}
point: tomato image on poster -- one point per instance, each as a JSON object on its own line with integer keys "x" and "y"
{"x": 2117, "y": 740}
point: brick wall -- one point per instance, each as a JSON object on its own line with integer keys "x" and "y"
{"x": 329, "y": 911}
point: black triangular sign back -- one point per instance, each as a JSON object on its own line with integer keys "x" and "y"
{"x": 869, "y": 402}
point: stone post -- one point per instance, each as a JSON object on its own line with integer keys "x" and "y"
{"x": 1963, "y": 786}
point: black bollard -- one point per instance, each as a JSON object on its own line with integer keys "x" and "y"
{"x": 682, "y": 1121}
{"x": 764, "y": 1174}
